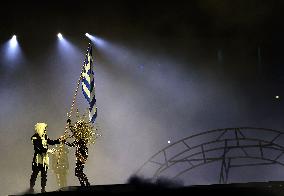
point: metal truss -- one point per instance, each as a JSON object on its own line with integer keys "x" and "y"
{"x": 232, "y": 147}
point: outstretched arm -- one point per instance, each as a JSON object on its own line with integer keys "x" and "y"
{"x": 53, "y": 142}
{"x": 73, "y": 144}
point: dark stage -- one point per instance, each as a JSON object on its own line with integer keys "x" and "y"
{"x": 188, "y": 90}
{"x": 273, "y": 188}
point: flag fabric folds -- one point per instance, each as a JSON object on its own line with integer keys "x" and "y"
{"x": 88, "y": 84}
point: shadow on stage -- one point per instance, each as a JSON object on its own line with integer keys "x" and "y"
{"x": 139, "y": 186}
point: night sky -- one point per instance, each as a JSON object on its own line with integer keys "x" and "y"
{"x": 168, "y": 70}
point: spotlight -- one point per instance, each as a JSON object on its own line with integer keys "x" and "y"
{"x": 169, "y": 142}
{"x": 96, "y": 40}
{"x": 59, "y": 35}
{"x": 66, "y": 49}
{"x": 13, "y": 41}
{"x": 12, "y": 50}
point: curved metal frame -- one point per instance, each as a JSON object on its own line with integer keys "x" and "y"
{"x": 227, "y": 145}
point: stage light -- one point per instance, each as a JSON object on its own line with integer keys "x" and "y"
{"x": 277, "y": 97}
{"x": 13, "y": 45}
{"x": 11, "y": 51}
{"x": 169, "y": 142}
{"x": 96, "y": 40}
{"x": 59, "y": 35}
{"x": 13, "y": 42}
{"x": 66, "y": 49}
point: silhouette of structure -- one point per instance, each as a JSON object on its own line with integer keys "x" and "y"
{"x": 232, "y": 147}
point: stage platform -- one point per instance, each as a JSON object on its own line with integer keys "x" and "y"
{"x": 242, "y": 189}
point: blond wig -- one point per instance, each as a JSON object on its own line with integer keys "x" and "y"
{"x": 40, "y": 128}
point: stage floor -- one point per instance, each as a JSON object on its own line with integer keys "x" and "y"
{"x": 241, "y": 189}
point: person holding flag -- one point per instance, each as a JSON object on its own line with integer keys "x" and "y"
{"x": 81, "y": 152}
{"x": 82, "y": 131}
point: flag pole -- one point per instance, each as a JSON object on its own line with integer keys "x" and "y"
{"x": 69, "y": 114}
{"x": 75, "y": 94}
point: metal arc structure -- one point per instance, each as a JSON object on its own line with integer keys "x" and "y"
{"x": 232, "y": 147}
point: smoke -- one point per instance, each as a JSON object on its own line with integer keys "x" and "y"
{"x": 154, "y": 88}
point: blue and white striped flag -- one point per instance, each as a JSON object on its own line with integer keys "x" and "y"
{"x": 88, "y": 84}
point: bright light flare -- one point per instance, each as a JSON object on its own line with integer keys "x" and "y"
{"x": 13, "y": 42}
{"x": 66, "y": 49}
{"x": 60, "y": 36}
{"x": 12, "y": 52}
{"x": 96, "y": 40}
{"x": 62, "y": 42}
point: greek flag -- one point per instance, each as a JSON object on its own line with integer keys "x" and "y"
{"x": 88, "y": 84}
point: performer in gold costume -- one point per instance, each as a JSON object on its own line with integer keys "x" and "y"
{"x": 83, "y": 134}
{"x": 60, "y": 164}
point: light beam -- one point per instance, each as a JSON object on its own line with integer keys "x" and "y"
{"x": 96, "y": 40}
